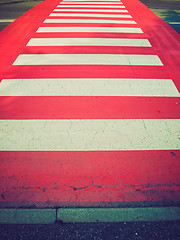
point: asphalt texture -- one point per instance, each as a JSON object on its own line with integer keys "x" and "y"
{"x": 93, "y": 231}
{"x": 12, "y": 9}
{"x": 168, "y": 11}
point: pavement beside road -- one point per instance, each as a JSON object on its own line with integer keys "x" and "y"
{"x": 80, "y": 215}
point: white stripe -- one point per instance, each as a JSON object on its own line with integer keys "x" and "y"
{"x": 90, "y": 1}
{"x": 6, "y": 20}
{"x": 89, "y": 15}
{"x": 89, "y": 135}
{"x": 173, "y": 22}
{"x": 89, "y": 42}
{"x": 89, "y": 10}
{"x": 91, "y": 6}
{"x": 90, "y": 29}
{"x": 79, "y": 3}
{"x": 88, "y": 87}
{"x": 60, "y": 20}
{"x": 88, "y": 59}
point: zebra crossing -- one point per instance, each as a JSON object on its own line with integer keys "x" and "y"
{"x": 92, "y": 52}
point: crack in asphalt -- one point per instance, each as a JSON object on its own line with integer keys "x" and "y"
{"x": 145, "y": 186}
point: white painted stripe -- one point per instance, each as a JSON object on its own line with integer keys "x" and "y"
{"x": 79, "y": 3}
{"x": 7, "y": 20}
{"x": 60, "y": 20}
{"x": 89, "y": 10}
{"x": 89, "y": 135}
{"x": 91, "y": 6}
{"x": 89, "y": 15}
{"x": 89, "y": 42}
{"x": 88, "y": 87}
{"x": 88, "y": 59}
{"x": 99, "y": 1}
{"x": 90, "y": 29}
{"x": 90, "y": 1}
{"x": 173, "y": 22}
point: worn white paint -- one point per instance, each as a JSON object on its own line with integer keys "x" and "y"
{"x": 128, "y": 42}
{"x": 62, "y": 20}
{"x": 88, "y": 59}
{"x": 90, "y": 15}
{"x": 173, "y": 22}
{"x": 91, "y": 6}
{"x": 7, "y": 20}
{"x": 97, "y": 2}
{"x": 89, "y": 10}
{"x": 90, "y": 29}
{"x": 89, "y": 135}
{"x": 90, "y": 1}
{"x": 88, "y": 87}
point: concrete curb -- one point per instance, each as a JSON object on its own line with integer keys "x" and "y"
{"x": 79, "y": 215}
{"x": 27, "y": 216}
{"x": 118, "y": 214}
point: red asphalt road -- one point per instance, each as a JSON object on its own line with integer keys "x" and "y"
{"x": 88, "y": 178}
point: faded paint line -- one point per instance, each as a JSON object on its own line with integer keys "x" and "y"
{"x": 88, "y": 87}
{"x": 88, "y": 59}
{"x": 173, "y": 22}
{"x": 7, "y": 20}
{"x": 89, "y": 135}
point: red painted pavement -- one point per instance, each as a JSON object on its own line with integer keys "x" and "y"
{"x": 89, "y": 178}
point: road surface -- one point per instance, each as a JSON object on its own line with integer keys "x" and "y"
{"x": 93, "y": 231}
{"x": 89, "y": 102}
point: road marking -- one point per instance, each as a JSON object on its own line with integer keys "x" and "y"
{"x": 98, "y": 3}
{"x": 173, "y": 22}
{"x": 90, "y": 1}
{"x": 89, "y": 15}
{"x": 74, "y": 215}
{"x": 89, "y": 135}
{"x": 90, "y": 6}
{"x": 7, "y": 20}
{"x": 88, "y": 87}
{"x": 89, "y": 10}
{"x": 88, "y": 59}
{"x": 54, "y": 20}
{"x": 89, "y": 42}
{"x": 90, "y": 29}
